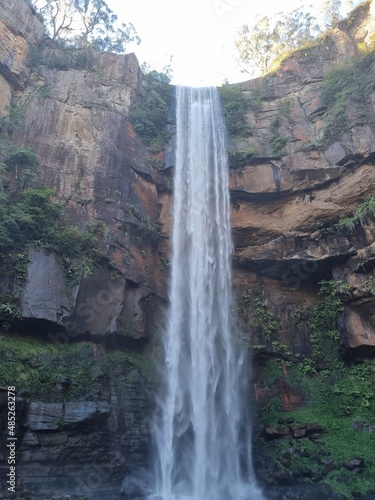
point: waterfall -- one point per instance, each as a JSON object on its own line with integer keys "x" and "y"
{"x": 202, "y": 441}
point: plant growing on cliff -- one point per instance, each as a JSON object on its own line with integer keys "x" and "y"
{"x": 265, "y": 319}
{"x": 363, "y": 211}
{"x": 279, "y": 142}
{"x": 31, "y": 220}
{"x": 149, "y": 114}
{"x": 235, "y": 106}
{"x": 149, "y": 229}
{"x": 346, "y": 85}
{"x": 239, "y": 159}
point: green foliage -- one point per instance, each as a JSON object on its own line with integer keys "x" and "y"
{"x": 342, "y": 402}
{"x": 22, "y": 156}
{"x": 149, "y": 113}
{"x": 341, "y": 398}
{"x": 64, "y": 58}
{"x": 265, "y": 319}
{"x": 86, "y": 22}
{"x": 240, "y": 158}
{"x": 142, "y": 361}
{"x": 260, "y": 44}
{"x": 40, "y": 368}
{"x": 278, "y": 142}
{"x": 255, "y": 100}
{"x": 150, "y": 229}
{"x": 12, "y": 120}
{"x": 348, "y": 84}
{"x": 23, "y": 162}
{"x": 34, "y": 220}
{"x": 364, "y": 211}
{"x": 235, "y": 106}
{"x": 30, "y": 218}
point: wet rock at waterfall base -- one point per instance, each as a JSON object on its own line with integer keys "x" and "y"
{"x": 302, "y": 492}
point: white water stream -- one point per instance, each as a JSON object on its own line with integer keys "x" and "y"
{"x": 202, "y": 436}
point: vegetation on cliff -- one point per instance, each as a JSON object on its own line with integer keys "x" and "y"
{"x": 333, "y": 399}
{"x": 83, "y": 23}
{"x": 55, "y": 373}
{"x": 261, "y": 45}
{"x": 149, "y": 114}
{"x": 347, "y": 88}
{"x": 31, "y": 218}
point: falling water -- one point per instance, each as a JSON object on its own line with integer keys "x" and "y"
{"x": 201, "y": 437}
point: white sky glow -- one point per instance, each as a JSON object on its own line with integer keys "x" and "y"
{"x": 198, "y": 34}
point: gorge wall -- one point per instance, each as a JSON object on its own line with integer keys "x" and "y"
{"x": 79, "y": 334}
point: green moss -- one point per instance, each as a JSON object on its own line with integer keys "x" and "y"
{"x": 142, "y": 361}
{"x": 50, "y": 373}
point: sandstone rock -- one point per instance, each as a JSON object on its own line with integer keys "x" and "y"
{"x": 19, "y": 28}
{"x": 45, "y": 295}
{"x": 5, "y": 94}
{"x": 255, "y": 179}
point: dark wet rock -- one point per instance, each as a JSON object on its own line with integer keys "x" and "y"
{"x": 286, "y": 459}
{"x": 329, "y": 467}
{"x": 302, "y": 492}
{"x": 355, "y": 463}
{"x": 275, "y": 432}
{"x": 283, "y": 476}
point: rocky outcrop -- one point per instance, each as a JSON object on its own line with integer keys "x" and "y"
{"x": 20, "y": 28}
{"x": 293, "y": 185}
{"x": 82, "y": 417}
{"x": 83, "y": 408}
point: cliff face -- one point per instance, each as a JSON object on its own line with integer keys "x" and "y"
{"x": 296, "y": 186}
{"x": 87, "y": 420}
{"x": 293, "y": 183}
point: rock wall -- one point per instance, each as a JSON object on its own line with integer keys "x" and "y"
{"x": 82, "y": 419}
{"x": 281, "y": 200}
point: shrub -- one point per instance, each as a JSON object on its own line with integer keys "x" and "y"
{"x": 348, "y": 83}
{"x": 235, "y": 106}
{"x": 149, "y": 114}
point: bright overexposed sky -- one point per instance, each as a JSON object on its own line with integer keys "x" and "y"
{"x": 197, "y": 33}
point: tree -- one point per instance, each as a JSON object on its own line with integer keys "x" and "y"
{"x": 86, "y": 22}
{"x": 58, "y": 16}
{"x": 331, "y": 10}
{"x": 259, "y": 45}
{"x": 254, "y": 46}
